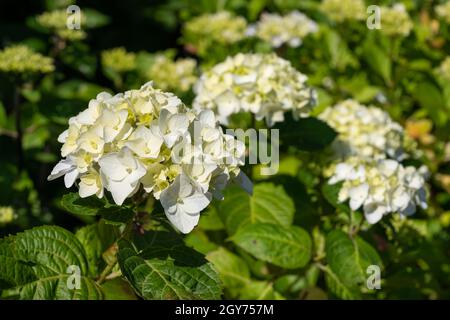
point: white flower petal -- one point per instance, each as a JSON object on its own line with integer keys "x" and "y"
{"x": 196, "y": 202}
{"x": 70, "y": 178}
{"x": 374, "y": 212}
{"x": 388, "y": 167}
{"x": 400, "y": 199}
{"x": 358, "y": 195}
{"x": 111, "y": 167}
{"x": 183, "y": 221}
{"x": 61, "y": 168}
{"x": 120, "y": 190}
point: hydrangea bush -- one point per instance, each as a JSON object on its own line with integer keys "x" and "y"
{"x": 147, "y": 139}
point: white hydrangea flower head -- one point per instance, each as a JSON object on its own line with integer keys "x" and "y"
{"x": 343, "y": 10}
{"x": 395, "y": 21}
{"x": 278, "y": 30}
{"x": 263, "y": 84}
{"x": 443, "y": 11}
{"x": 380, "y": 187}
{"x": 367, "y": 132}
{"x": 147, "y": 139}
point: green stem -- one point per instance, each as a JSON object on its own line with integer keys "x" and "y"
{"x": 352, "y": 219}
{"x": 58, "y": 45}
{"x": 321, "y": 266}
{"x": 105, "y": 273}
{"x": 113, "y": 275}
{"x": 10, "y": 293}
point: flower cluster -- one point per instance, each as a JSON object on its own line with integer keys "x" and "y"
{"x": 343, "y": 10}
{"x": 263, "y": 84}
{"x": 367, "y": 158}
{"x": 443, "y": 11}
{"x": 366, "y": 132}
{"x": 207, "y": 30}
{"x": 380, "y": 187}
{"x": 119, "y": 60}
{"x": 395, "y": 21}
{"x": 148, "y": 140}
{"x": 21, "y": 59}
{"x": 444, "y": 69}
{"x": 278, "y": 30}
{"x": 55, "y": 21}
{"x": 178, "y": 75}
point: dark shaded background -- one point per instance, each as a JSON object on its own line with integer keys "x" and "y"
{"x": 133, "y": 26}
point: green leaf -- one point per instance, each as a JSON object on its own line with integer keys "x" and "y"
{"x": 199, "y": 241}
{"x": 378, "y": 60}
{"x": 340, "y": 56}
{"x": 36, "y": 139}
{"x": 3, "y": 116}
{"x": 80, "y": 58}
{"x": 292, "y": 285}
{"x": 81, "y": 206}
{"x": 159, "y": 266}
{"x": 269, "y": 204}
{"x": 96, "y": 239}
{"x": 95, "y": 19}
{"x": 309, "y": 134}
{"x": 255, "y": 7}
{"x": 233, "y": 270}
{"x": 331, "y": 194}
{"x": 32, "y": 96}
{"x": 12, "y": 271}
{"x": 116, "y": 215}
{"x": 209, "y": 220}
{"x": 118, "y": 289}
{"x": 259, "y": 290}
{"x": 431, "y": 100}
{"x": 240, "y": 120}
{"x": 52, "y": 247}
{"x": 113, "y": 75}
{"x": 358, "y": 86}
{"x": 78, "y": 89}
{"x": 338, "y": 288}
{"x": 289, "y": 248}
{"x": 91, "y": 206}
{"x": 50, "y": 251}
{"x": 349, "y": 258}
{"x": 55, "y": 288}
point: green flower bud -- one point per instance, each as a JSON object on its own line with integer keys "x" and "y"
{"x": 21, "y": 59}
